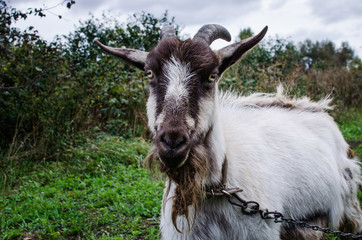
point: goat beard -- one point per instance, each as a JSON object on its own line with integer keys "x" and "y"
{"x": 190, "y": 180}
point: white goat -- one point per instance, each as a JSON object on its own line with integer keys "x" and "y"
{"x": 286, "y": 154}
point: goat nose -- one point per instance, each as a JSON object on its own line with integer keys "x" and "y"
{"x": 173, "y": 140}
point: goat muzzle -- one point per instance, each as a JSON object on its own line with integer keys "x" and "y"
{"x": 173, "y": 146}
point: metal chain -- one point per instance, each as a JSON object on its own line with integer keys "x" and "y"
{"x": 251, "y": 208}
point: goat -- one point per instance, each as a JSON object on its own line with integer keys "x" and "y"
{"x": 286, "y": 154}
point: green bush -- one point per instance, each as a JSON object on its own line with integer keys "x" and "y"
{"x": 277, "y": 62}
{"x": 52, "y": 94}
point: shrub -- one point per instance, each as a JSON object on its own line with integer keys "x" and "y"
{"x": 52, "y": 93}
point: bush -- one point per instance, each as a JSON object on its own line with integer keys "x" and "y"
{"x": 299, "y": 70}
{"x": 53, "y": 93}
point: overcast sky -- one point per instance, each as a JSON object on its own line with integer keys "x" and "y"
{"x": 295, "y": 20}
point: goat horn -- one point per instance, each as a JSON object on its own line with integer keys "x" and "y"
{"x": 168, "y": 31}
{"x": 210, "y": 32}
{"x": 134, "y": 57}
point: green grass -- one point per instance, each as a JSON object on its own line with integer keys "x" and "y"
{"x": 100, "y": 192}
{"x": 352, "y": 131}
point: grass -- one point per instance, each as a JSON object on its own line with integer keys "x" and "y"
{"x": 98, "y": 191}
{"x": 351, "y": 129}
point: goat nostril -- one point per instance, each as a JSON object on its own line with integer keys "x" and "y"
{"x": 166, "y": 139}
{"x": 180, "y": 141}
{"x": 173, "y": 142}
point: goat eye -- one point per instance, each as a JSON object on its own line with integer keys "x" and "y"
{"x": 213, "y": 77}
{"x": 149, "y": 74}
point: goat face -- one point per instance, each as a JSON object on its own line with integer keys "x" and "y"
{"x": 182, "y": 78}
{"x": 183, "y": 84}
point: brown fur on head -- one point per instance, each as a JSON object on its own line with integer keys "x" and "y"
{"x": 189, "y": 180}
{"x": 183, "y": 77}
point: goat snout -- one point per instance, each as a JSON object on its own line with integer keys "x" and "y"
{"x": 173, "y": 147}
{"x": 173, "y": 141}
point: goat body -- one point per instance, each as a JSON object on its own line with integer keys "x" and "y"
{"x": 286, "y": 154}
{"x": 290, "y": 159}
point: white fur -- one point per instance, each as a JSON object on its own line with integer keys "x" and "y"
{"x": 151, "y": 112}
{"x": 177, "y": 74}
{"x": 289, "y": 160}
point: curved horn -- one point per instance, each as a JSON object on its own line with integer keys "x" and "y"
{"x": 168, "y": 31}
{"x": 210, "y": 32}
{"x": 134, "y": 57}
{"x": 232, "y": 53}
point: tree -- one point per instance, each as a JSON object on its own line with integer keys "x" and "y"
{"x": 245, "y": 33}
{"x": 325, "y": 55}
{"x": 345, "y": 54}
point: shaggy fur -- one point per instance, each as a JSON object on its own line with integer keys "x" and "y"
{"x": 189, "y": 179}
{"x": 286, "y": 154}
{"x": 264, "y": 100}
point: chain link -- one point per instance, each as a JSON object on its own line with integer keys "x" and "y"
{"x": 251, "y": 208}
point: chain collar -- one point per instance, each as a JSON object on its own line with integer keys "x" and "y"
{"x": 223, "y": 190}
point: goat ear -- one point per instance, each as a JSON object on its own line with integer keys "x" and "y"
{"x": 134, "y": 57}
{"x": 232, "y": 53}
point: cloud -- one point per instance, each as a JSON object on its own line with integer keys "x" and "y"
{"x": 186, "y": 12}
{"x": 213, "y": 13}
{"x": 11, "y": 2}
{"x": 276, "y": 4}
{"x": 335, "y": 20}
{"x": 335, "y": 10}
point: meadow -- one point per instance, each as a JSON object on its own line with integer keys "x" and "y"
{"x": 100, "y": 191}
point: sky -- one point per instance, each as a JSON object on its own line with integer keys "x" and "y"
{"x": 294, "y": 20}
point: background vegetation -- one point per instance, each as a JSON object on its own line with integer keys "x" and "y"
{"x": 73, "y": 121}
